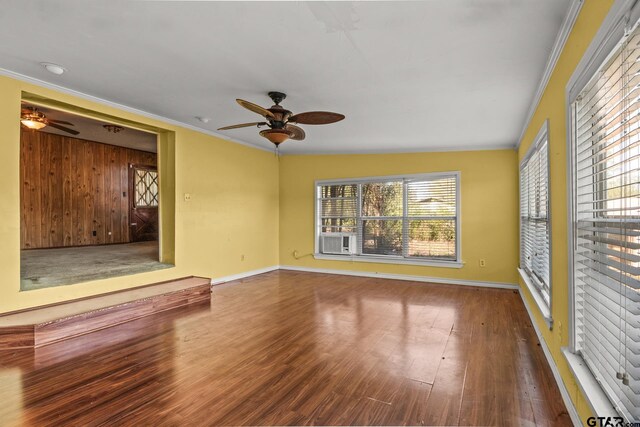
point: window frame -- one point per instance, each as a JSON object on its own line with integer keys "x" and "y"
{"x": 147, "y": 169}
{"x": 545, "y": 309}
{"x": 389, "y": 259}
{"x": 612, "y": 32}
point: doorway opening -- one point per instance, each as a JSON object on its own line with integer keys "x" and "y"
{"x": 90, "y": 199}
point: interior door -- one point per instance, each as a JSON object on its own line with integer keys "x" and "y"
{"x": 144, "y": 200}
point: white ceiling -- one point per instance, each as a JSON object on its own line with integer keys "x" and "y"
{"x": 93, "y": 130}
{"x": 409, "y": 76}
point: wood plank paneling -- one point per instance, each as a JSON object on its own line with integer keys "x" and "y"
{"x": 30, "y": 173}
{"x": 108, "y": 195}
{"x": 124, "y": 191}
{"x": 71, "y": 188}
{"x": 43, "y": 190}
{"x": 88, "y": 173}
{"x": 67, "y": 191}
{"x": 57, "y": 181}
{"x": 25, "y": 189}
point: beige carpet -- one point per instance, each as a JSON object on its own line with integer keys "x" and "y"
{"x": 42, "y": 268}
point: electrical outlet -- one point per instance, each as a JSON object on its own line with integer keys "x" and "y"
{"x": 483, "y": 263}
{"x": 187, "y": 197}
{"x": 559, "y": 329}
{"x": 295, "y": 254}
{"x": 242, "y": 257}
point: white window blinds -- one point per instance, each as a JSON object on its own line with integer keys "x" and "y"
{"x": 606, "y": 188}
{"x": 338, "y": 208}
{"x": 534, "y": 218}
{"x": 413, "y": 217}
{"x": 381, "y": 220}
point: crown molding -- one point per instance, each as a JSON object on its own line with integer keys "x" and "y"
{"x": 558, "y": 46}
{"x": 62, "y": 89}
{"x": 490, "y": 147}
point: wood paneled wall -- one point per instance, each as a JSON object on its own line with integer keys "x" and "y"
{"x": 72, "y": 187}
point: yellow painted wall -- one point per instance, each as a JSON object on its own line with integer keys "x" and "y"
{"x": 552, "y": 107}
{"x": 233, "y": 211}
{"x": 489, "y": 192}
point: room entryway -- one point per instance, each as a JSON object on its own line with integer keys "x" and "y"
{"x": 90, "y": 195}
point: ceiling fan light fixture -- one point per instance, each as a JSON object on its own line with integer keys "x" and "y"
{"x": 31, "y": 118}
{"x": 276, "y": 136}
{"x": 33, "y": 124}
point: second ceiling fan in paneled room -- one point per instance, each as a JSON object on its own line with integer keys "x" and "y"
{"x": 31, "y": 118}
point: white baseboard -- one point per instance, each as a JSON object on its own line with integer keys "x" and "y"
{"x": 221, "y": 280}
{"x": 406, "y": 277}
{"x": 573, "y": 413}
{"x": 403, "y": 277}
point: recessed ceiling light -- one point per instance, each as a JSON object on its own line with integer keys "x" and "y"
{"x": 53, "y": 68}
{"x": 203, "y": 119}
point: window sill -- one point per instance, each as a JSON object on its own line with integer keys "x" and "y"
{"x": 381, "y": 260}
{"x": 598, "y": 401}
{"x": 540, "y": 302}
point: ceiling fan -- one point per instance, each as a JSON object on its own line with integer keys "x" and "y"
{"x": 31, "y": 118}
{"x": 281, "y": 121}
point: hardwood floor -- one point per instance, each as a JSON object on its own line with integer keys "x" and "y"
{"x": 44, "y": 325}
{"x": 298, "y": 348}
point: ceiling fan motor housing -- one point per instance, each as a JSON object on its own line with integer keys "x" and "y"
{"x": 32, "y": 114}
{"x": 281, "y": 116}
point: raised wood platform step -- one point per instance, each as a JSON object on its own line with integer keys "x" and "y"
{"x": 45, "y": 325}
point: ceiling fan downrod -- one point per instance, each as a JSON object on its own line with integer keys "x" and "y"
{"x": 277, "y": 97}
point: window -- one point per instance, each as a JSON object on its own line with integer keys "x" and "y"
{"x": 390, "y": 219}
{"x": 534, "y": 222}
{"x": 606, "y": 226}
{"x": 145, "y": 187}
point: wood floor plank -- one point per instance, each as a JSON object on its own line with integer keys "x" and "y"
{"x": 293, "y": 348}
{"x": 410, "y": 403}
{"x": 445, "y": 399}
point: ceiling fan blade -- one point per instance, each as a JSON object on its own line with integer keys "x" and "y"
{"x": 256, "y": 109}
{"x": 62, "y": 128}
{"x": 60, "y": 122}
{"x": 316, "y": 118}
{"x": 296, "y": 132}
{"x": 243, "y": 125}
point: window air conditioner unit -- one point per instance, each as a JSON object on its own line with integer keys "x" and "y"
{"x": 338, "y": 243}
